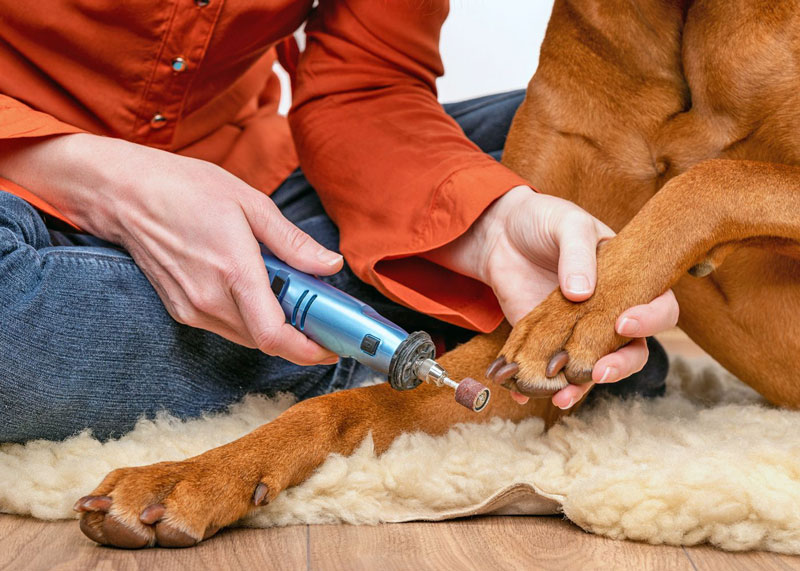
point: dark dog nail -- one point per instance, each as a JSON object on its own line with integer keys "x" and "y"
{"x": 557, "y": 362}
{"x": 506, "y": 372}
{"x": 152, "y": 514}
{"x": 495, "y": 366}
{"x": 93, "y": 504}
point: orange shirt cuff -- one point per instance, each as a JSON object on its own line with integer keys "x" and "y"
{"x": 432, "y": 289}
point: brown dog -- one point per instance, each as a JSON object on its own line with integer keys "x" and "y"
{"x": 630, "y": 102}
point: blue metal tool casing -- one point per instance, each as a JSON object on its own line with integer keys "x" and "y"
{"x": 332, "y": 318}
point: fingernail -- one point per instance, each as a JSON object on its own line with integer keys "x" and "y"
{"x": 577, "y": 283}
{"x": 519, "y": 397}
{"x": 629, "y": 326}
{"x": 568, "y": 406}
{"x": 328, "y": 257}
{"x": 609, "y": 375}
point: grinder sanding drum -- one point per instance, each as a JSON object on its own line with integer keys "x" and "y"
{"x": 472, "y": 394}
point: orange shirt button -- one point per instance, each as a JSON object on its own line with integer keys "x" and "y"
{"x": 178, "y": 64}
{"x": 158, "y": 121}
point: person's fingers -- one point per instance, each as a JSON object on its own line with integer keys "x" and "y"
{"x": 287, "y": 241}
{"x": 622, "y": 363}
{"x": 577, "y": 259}
{"x": 184, "y": 311}
{"x": 265, "y": 321}
{"x": 649, "y": 319}
{"x": 603, "y": 231}
{"x": 519, "y": 397}
{"x": 614, "y": 367}
{"x": 569, "y": 395}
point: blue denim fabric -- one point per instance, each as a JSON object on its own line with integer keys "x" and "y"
{"x": 85, "y": 342}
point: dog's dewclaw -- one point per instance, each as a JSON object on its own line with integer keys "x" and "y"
{"x": 260, "y": 495}
{"x": 472, "y": 394}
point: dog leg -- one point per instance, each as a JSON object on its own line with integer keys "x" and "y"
{"x": 176, "y": 504}
{"x": 715, "y": 203}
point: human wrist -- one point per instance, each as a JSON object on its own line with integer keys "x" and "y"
{"x": 93, "y": 180}
{"x": 64, "y": 171}
{"x": 470, "y": 253}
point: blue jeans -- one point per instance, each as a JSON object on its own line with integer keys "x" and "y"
{"x": 85, "y": 342}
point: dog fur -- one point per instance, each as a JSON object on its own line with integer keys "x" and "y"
{"x": 673, "y": 121}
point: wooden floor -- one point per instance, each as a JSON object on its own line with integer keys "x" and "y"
{"x": 482, "y": 543}
{"x": 490, "y": 543}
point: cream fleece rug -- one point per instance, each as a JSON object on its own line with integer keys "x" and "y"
{"x": 708, "y": 463}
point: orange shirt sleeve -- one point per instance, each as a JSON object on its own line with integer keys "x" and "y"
{"x": 393, "y": 170}
{"x": 18, "y": 121}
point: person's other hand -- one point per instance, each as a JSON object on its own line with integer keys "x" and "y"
{"x": 193, "y": 229}
{"x": 526, "y": 244}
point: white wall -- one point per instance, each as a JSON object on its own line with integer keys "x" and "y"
{"x": 489, "y": 46}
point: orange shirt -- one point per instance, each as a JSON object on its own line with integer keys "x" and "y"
{"x": 195, "y": 77}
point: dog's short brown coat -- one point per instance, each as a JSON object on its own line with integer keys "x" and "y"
{"x": 676, "y": 122}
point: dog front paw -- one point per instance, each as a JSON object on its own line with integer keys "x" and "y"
{"x": 171, "y": 504}
{"x": 558, "y": 343}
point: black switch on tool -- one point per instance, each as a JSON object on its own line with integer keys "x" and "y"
{"x": 369, "y": 344}
{"x": 277, "y": 285}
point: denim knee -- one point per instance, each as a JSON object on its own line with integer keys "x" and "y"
{"x": 21, "y": 221}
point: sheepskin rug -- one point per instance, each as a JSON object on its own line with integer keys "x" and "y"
{"x": 707, "y": 463}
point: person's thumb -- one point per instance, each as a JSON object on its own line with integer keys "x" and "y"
{"x": 577, "y": 239}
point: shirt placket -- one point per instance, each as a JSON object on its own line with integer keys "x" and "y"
{"x": 182, "y": 50}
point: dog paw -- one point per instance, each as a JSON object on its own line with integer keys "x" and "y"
{"x": 558, "y": 343}
{"x": 170, "y": 504}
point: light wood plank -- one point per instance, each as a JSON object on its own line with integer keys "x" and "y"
{"x": 709, "y": 559}
{"x": 482, "y": 543}
{"x": 29, "y": 544}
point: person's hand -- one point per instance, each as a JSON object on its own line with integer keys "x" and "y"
{"x": 524, "y": 245}
{"x": 192, "y": 228}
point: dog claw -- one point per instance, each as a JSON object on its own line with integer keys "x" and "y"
{"x": 151, "y": 514}
{"x": 93, "y": 504}
{"x": 556, "y": 364}
{"x": 496, "y": 365}
{"x": 506, "y": 372}
{"x": 260, "y": 495}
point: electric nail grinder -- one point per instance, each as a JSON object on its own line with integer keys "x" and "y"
{"x": 342, "y": 324}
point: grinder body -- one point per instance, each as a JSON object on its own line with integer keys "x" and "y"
{"x": 350, "y": 328}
